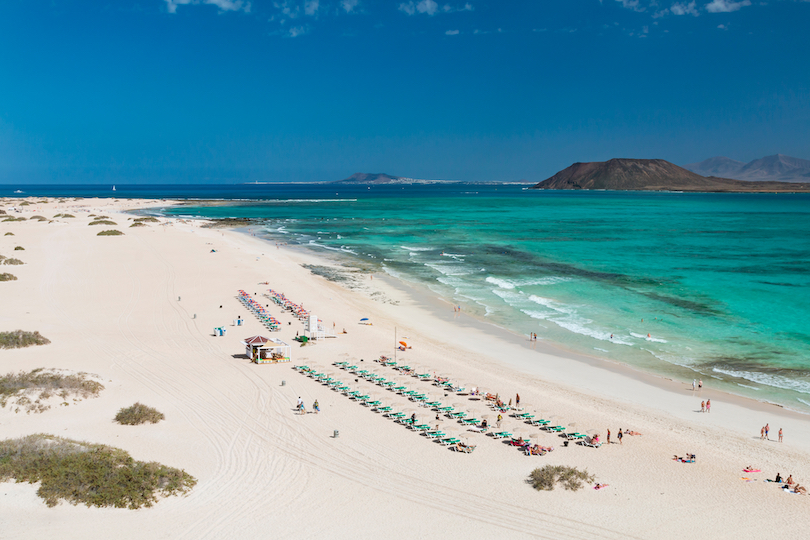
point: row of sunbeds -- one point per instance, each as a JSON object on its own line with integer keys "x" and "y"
{"x": 287, "y": 304}
{"x": 267, "y": 320}
{"x": 385, "y": 410}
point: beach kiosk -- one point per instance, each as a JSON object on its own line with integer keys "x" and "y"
{"x": 262, "y": 350}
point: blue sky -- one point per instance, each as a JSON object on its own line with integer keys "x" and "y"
{"x": 180, "y": 91}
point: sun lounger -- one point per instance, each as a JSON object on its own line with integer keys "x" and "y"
{"x": 470, "y": 421}
{"x": 555, "y": 429}
{"x": 434, "y": 435}
{"x": 449, "y": 441}
{"x": 382, "y": 409}
{"x": 466, "y": 448}
{"x": 586, "y": 442}
{"x": 477, "y": 429}
{"x": 421, "y": 427}
{"x": 445, "y": 409}
{"x": 394, "y": 415}
{"x": 372, "y": 403}
{"x": 433, "y": 404}
{"x": 502, "y": 435}
{"x": 574, "y": 436}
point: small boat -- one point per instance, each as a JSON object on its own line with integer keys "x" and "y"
{"x": 113, "y": 188}
{"x": 19, "y": 191}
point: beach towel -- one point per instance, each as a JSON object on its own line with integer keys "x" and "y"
{"x": 752, "y": 470}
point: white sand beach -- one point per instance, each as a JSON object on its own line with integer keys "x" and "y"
{"x": 139, "y": 310}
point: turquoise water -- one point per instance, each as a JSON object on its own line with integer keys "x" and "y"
{"x": 720, "y": 282}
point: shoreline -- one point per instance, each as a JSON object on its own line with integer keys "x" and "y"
{"x": 432, "y": 302}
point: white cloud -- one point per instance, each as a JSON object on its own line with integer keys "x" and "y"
{"x": 725, "y": 6}
{"x": 349, "y": 5}
{"x": 296, "y": 31}
{"x": 430, "y": 7}
{"x": 408, "y": 8}
{"x": 427, "y": 6}
{"x": 684, "y": 9}
{"x": 632, "y": 4}
{"x": 288, "y": 9}
{"x": 311, "y": 7}
{"x": 224, "y": 5}
{"x": 452, "y": 32}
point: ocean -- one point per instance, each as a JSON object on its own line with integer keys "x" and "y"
{"x": 685, "y": 285}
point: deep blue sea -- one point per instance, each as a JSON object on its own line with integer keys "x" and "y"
{"x": 719, "y": 282}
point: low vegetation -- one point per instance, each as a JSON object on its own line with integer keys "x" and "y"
{"x": 149, "y": 219}
{"x": 39, "y": 218}
{"x": 102, "y": 222}
{"x": 138, "y": 224}
{"x": 5, "y": 276}
{"x": 19, "y": 248}
{"x": 30, "y": 390}
{"x": 25, "y": 203}
{"x": 139, "y": 414}
{"x": 6, "y": 260}
{"x": 111, "y": 232}
{"x": 103, "y": 217}
{"x": 20, "y": 338}
{"x": 64, "y": 216}
{"x": 2, "y": 212}
{"x": 548, "y": 477}
{"x": 12, "y": 218}
{"x": 9, "y": 234}
{"x": 90, "y": 474}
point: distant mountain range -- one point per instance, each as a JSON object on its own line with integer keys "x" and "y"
{"x": 653, "y": 175}
{"x": 779, "y": 168}
{"x": 371, "y": 179}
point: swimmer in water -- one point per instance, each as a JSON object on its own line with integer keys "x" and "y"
{"x": 648, "y": 335}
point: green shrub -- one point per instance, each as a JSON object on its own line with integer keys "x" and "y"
{"x": 138, "y": 224}
{"x": 111, "y": 232}
{"x": 9, "y": 234}
{"x": 64, "y": 216}
{"x": 102, "y": 222}
{"x": 12, "y": 218}
{"x": 2, "y": 212}
{"x": 19, "y": 248}
{"x": 549, "y": 476}
{"x": 103, "y": 217}
{"x": 90, "y": 474}
{"x": 39, "y": 218}
{"x": 25, "y": 203}
{"x": 6, "y": 260}
{"x": 5, "y": 276}
{"x": 30, "y": 390}
{"x": 149, "y": 219}
{"x": 139, "y": 414}
{"x": 20, "y": 338}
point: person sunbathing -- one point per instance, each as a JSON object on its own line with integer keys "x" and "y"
{"x": 801, "y": 490}
{"x": 628, "y": 432}
{"x": 789, "y": 481}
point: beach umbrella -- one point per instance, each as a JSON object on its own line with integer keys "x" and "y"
{"x": 403, "y": 343}
{"x": 572, "y": 424}
{"x": 364, "y": 319}
{"x": 593, "y": 432}
{"x": 459, "y": 405}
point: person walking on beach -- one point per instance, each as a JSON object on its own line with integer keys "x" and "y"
{"x": 498, "y": 423}
{"x": 300, "y": 404}
{"x": 767, "y": 429}
{"x": 694, "y": 383}
{"x": 620, "y": 435}
{"x": 608, "y": 436}
{"x": 316, "y": 407}
{"x": 517, "y": 400}
{"x": 702, "y": 406}
{"x": 762, "y": 433}
{"x": 780, "y": 434}
{"x": 700, "y": 384}
{"x": 708, "y": 405}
